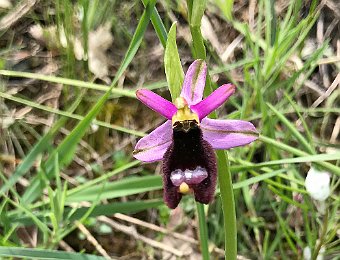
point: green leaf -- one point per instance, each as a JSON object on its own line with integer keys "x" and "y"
{"x": 256, "y": 179}
{"x": 172, "y": 64}
{"x": 226, "y": 7}
{"x": 197, "y": 12}
{"x": 34, "y": 253}
{"x": 124, "y": 187}
{"x": 158, "y": 25}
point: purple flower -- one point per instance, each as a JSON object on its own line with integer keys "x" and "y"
{"x": 186, "y": 141}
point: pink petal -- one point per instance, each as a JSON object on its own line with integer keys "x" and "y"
{"x": 213, "y": 101}
{"x": 152, "y": 147}
{"x": 194, "y": 82}
{"x": 225, "y": 134}
{"x": 156, "y": 103}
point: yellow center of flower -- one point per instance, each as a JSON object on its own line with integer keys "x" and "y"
{"x": 183, "y": 112}
{"x": 184, "y": 188}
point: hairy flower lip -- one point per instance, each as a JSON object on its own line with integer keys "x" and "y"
{"x": 213, "y": 133}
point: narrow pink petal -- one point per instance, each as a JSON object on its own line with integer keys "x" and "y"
{"x": 194, "y": 82}
{"x": 213, "y": 101}
{"x": 225, "y": 134}
{"x": 156, "y": 103}
{"x": 152, "y": 147}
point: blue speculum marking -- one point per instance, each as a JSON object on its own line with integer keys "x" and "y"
{"x": 188, "y": 176}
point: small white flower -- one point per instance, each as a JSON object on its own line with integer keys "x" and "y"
{"x": 62, "y": 37}
{"x": 307, "y": 253}
{"x": 5, "y": 4}
{"x": 317, "y": 184}
{"x": 94, "y": 127}
{"x": 321, "y": 253}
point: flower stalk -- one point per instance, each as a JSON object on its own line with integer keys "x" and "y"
{"x": 223, "y": 171}
{"x": 228, "y": 205}
{"x": 203, "y": 231}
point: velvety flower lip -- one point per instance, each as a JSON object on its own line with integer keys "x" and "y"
{"x": 185, "y": 142}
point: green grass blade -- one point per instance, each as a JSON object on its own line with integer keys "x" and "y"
{"x": 282, "y": 146}
{"x": 69, "y": 114}
{"x": 40, "y": 224}
{"x": 44, "y": 254}
{"x": 124, "y": 187}
{"x": 172, "y": 64}
{"x": 256, "y": 179}
{"x": 69, "y": 82}
{"x": 103, "y": 178}
{"x": 129, "y": 207}
{"x": 305, "y": 127}
{"x": 226, "y": 7}
{"x": 42, "y": 145}
{"x": 117, "y": 92}
{"x": 158, "y": 25}
{"x": 292, "y": 129}
{"x": 197, "y": 12}
{"x": 302, "y": 159}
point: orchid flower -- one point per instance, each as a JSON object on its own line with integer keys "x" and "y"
{"x": 186, "y": 141}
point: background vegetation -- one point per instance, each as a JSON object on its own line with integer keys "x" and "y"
{"x": 69, "y": 122}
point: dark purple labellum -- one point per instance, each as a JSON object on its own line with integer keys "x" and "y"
{"x": 189, "y": 154}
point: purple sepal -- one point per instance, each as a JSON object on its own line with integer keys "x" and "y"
{"x": 225, "y": 134}
{"x": 213, "y": 101}
{"x": 156, "y": 103}
{"x": 194, "y": 82}
{"x": 152, "y": 147}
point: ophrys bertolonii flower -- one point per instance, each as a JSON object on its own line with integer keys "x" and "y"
{"x": 186, "y": 141}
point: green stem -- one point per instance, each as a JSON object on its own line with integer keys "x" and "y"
{"x": 228, "y": 205}
{"x": 203, "y": 231}
{"x": 196, "y": 10}
{"x": 322, "y": 237}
